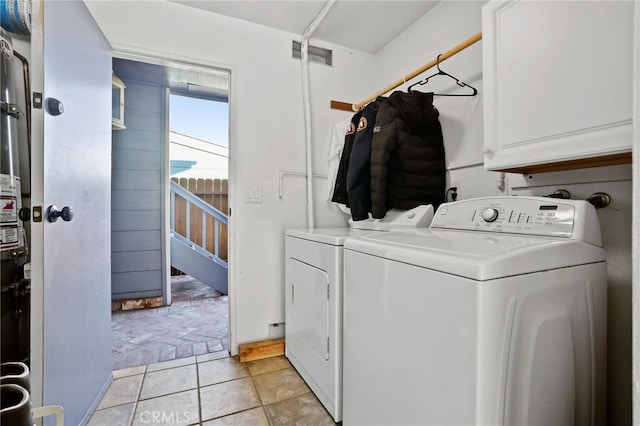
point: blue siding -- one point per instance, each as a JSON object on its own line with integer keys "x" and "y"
{"x": 135, "y": 200}
{"x": 131, "y": 285}
{"x": 139, "y": 261}
{"x": 136, "y": 180}
{"x": 137, "y": 253}
{"x": 131, "y": 159}
{"x": 128, "y": 241}
{"x": 131, "y": 139}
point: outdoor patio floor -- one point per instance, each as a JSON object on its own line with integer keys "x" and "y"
{"x": 196, "y": 323}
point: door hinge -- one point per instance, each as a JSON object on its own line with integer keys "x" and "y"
{"x": 293, "y": 294}
{"x": 328, "y": 291}
{"x": 328, "y": 347}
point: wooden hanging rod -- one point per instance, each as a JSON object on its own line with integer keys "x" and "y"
{"x": 446, "y": 55}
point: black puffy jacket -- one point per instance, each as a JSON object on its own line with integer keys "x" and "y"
{"x": 407, "y": 154}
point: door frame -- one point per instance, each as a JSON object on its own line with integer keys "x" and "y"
{"x": 168, "y": 59}
{"x": 37, "y": 199}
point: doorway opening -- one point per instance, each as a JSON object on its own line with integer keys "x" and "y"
{"x": 170, "y": 174}
{"x": 199, "y": 164}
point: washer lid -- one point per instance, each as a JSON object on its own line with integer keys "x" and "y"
{"x": 332, "y": 236}
{"x": 475, "y": 255}
{"x": 417, "y": 217}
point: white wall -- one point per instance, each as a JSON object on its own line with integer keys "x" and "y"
{"x": 267, "y": 133}
{"x": 446, "y": 25}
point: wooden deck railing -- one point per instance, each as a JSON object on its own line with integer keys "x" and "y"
{"x": 215, "y": 193}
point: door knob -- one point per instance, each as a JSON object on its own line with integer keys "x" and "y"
{"x": 24, "y": 214}
{"x": 53, "y": 213}
{"x": 54, "y": 106}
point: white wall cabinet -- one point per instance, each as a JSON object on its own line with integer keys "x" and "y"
{"x": 557, "y": 84}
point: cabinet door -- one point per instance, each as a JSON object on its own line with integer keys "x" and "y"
{"x": 557, "y": 81}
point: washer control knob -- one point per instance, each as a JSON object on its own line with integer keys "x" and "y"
{"x": 411, "y": 215}
{"x": 489, "y": 214}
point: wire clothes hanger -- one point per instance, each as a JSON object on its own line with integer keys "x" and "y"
{"x": 440, "y": 72}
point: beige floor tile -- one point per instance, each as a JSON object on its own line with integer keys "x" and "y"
{"x": 302, "y": 410}
{"x": 176, "y": 409}
{"x": 212, "y": 356}
{"x": 279, "y": 385}
{"x": 114, "y": 416}
{"x": 171, "y": 364}
{"x": 221, "y": 370}
{"x": 126, "y": 372}
{"x": 228, "y": 398}
{"x": 268, "y": 365}
{"x": 121, "y": 391}
{"x": 164, "y": 382}
{"x": 254, "y": 417}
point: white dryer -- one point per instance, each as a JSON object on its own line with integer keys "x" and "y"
{"x": 313, "y": 305}
{"x": 495, "y": 315}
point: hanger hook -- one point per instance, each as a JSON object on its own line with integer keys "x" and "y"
{"x": 438, "y": 62}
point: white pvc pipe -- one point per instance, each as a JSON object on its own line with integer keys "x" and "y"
{"x": 304, "y": 56}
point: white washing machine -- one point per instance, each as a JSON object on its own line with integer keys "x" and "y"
{"x": 495, "y": 315}
{"x": 313, "y": 305}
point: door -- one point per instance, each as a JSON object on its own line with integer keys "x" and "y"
{"x": 71, "y": 155}
{"x": 309, "y": 304}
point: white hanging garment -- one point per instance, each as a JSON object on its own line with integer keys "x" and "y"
{"x": 336, "y": 145}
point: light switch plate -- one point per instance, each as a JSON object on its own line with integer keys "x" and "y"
{"x": 253, "y": 194}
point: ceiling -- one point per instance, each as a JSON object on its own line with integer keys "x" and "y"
{"x": 365, "y": 25}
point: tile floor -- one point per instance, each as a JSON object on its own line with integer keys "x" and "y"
{"x": 172, "y": 367}
{"x": 210, "y": 390}
{"x": 196, "y": 323}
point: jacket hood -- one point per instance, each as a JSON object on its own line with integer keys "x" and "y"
{"x": 416, "y": 108}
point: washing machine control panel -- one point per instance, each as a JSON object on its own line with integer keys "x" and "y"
{"x": 518, "y": 215}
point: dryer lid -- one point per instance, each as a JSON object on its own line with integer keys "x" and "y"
{"x": 418, "y": 217}
{"x": 331, "y": 236}
{"x": 475, "y": 255}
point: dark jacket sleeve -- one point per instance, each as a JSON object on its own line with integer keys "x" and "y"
{"x": 358, "y": 174}
{"x": 383, "y": 143}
